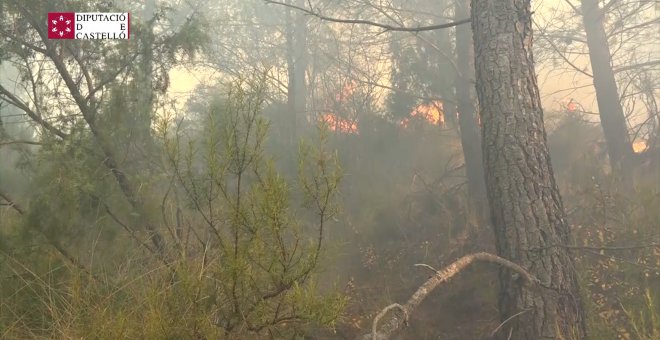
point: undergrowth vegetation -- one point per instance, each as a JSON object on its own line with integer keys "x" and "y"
{"x": 419, "y": 219}
{"x": 231, "y": 251}
{"x": 250, "y": 251}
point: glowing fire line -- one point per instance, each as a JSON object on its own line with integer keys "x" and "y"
{"x": 340, "y": 124}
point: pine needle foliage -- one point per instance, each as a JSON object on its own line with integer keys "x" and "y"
{"x": 240, "y": 249}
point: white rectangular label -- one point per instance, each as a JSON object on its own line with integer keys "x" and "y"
{"x": 94, "y": 25}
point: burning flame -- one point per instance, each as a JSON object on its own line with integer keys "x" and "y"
{"x": 639, "y": 146}
{"x": 431, "y": 112}
{"x": 339, "y": 124}
{"x": 404, "y": 122}
{"x": 336, "y": 122}
{"x": 572, "y": 105}
{"x": 346, "y": 91}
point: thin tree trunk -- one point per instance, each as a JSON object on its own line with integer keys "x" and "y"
{"x": 296, "y": 42}
{"x": 145, "y": 77}
{"x": 291, "y": 88}
{"x": 612, "y": 118}
{"x": 300, "y": 50}
{"x": 470, "y": 134}
{"x": 527, "y": 212}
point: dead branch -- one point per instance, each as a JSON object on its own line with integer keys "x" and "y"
{"x": 599, "y": 248}
{"x": 634, "y": 66}
{"x": 440, "y": 277}
{"x": 20, "y": 142}
{"x": 7, "y": 96}
{"x": 12, "y": 204}
{"x": 374, "y": 326}
{"x": 492, "y": 334}
{"x": 386, "y": 27}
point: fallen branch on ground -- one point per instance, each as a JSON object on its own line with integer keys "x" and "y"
{"x": 440, "y": 276}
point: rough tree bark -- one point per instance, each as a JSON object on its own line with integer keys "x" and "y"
{"x": 526, "y": 208}
{"x": 612, "y": 118}
{"x": 467, "y": 120}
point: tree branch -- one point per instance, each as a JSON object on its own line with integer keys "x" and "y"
{"x": 371, "y": 23}
{"x": 575, "y": 9}
{"x": 112, "y": 78}
{"x": 600, "y": 248}
{"x": 20, "y": 142}
{"x": 15, "y": 101}
{"x": 561, "y": 54}
{"x": 440, "y": 277}
{"x": 89, "y": 115}
{"x": 374, "y": 326}
{"x": 12, "y": 203}
{"x": 634, "y": 66}
{"x": 74, "y": 261}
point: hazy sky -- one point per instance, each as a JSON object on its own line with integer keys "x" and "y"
{"x": 558, "y": 85}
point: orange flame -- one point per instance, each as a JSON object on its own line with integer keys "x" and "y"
{"x": 572, "y": 105}
{"x": 346, "y": 91}
{"x": 639, "y": 146}
{"x": 404, "y": 122}
{"x": 431, "y": 112}
{"x": 340, "y": 124}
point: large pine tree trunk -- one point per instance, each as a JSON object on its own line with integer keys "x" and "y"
{"x": 467, "y": 120}
{"x": 526, "y": 208}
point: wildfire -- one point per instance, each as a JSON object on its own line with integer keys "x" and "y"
{"x": 333, "y": 119}
{"x": 572, "y": 105}
{"x": 639, "y": 146}
{"x": 431, "y": 112}
{"x": 346, "y": 91}
{"x": 340, "y": 124}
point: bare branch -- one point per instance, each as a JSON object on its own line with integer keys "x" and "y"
{"x": 12, "y": 203}
{"x": 15, "y": 101}
{"x": 492, "y": 334}
{"x": 128, "y": 229}
{"x": 575, "y": 9}
{"x": 561, "y": 54}
{"x": 374, "y": 326}
{"x": 634, "y": 66}
{"x": 112, "y": 77}
{"x": 20, "y": 142}
{"x": 440, "y": 277}
{"x": 425, "y": 265}
{"x": 634, "y": 27}
{"x": 600, "y": 248}
{"x": 386, "y": 27}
